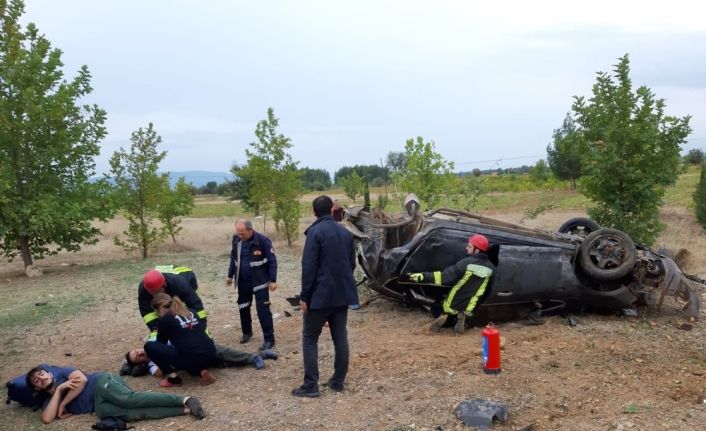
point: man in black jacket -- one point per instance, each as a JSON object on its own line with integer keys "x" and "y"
{"x": 328, "y": 288}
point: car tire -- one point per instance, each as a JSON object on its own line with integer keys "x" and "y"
{"x": 581, "y": 226}
{"x": 607, "y": 254}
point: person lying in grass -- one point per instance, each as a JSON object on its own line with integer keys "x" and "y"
{"x": 68, "y": 391}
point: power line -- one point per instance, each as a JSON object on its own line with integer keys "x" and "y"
{"x": 502, "y": 159}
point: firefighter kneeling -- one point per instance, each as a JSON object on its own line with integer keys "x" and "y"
{"x": 468, "y": 279}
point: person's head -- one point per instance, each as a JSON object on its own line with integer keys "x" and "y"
{"x": 244, "y": 229}
{"x": 136, "y": 357}
{"x": 322, "y": 206}
{"x": 336, "y": 204}
{"x": 164, "y": 304}
{"x": 153, "y": 281}
{"x": 477, "y": 243}
{"x": 40, "y": 379}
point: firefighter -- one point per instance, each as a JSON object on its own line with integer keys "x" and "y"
{"x": 174, "y": 281}
{"x": 468, "y": 279}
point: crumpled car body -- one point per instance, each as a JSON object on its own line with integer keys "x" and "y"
{"x": 537, "y": 271}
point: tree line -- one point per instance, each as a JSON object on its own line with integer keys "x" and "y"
{"x": 618, "y": 147}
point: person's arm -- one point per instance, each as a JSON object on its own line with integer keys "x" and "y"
{"x": 231, "y": 265}
{"x": 79, "y": 382}
{"x": 56, "y": 407}
{"x": 149, "y": 316}
{"x": 271, "y": 263}
{"x": 164, "y": 329}
{"x": 310, "y": 257}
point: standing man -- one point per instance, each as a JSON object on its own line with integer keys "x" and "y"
{"x": 328, "y": 288}
{"x": 177, "y": 281}
{"x": 468, "y": 279}
{"x": 254, "y": 266}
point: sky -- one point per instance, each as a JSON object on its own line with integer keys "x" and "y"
{"x": 352, "y": 81}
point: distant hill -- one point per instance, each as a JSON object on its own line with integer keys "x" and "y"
{"x": 196, "y": 178}
{"x": 200, "y": 178}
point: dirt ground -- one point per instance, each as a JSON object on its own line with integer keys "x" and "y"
{"x": 606, "y": 373}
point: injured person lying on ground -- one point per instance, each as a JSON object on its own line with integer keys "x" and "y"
{"x": 137, "y": 363}
{"x": 68, "y": 391}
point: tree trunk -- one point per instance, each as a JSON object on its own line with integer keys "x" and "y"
{"x": 144, "y": 250}
{"x": 173, "y": 237}
{"x": 24, "y": 251}
{"x": 573, "y": 184}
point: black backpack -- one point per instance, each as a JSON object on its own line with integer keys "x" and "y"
{"x": 110, "y": 423}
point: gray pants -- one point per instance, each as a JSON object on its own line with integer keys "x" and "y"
{"x": 314, "y": 321}
{"x": 227, "y": 357}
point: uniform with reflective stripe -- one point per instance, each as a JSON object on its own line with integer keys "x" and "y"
{"x": 468, "y": 278}
{"x": 181, "y": 285}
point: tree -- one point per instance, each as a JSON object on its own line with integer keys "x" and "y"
{"x": 469, "y": 189}
{"x": 396, "y": 161}
{"x": 139, "y": 189}
{"x": 315, "y": 179}
{"x": 427, "y": 173}
{"x": 353, "y": 185}
{"x": 174, "y": 204}
{"x": 476, "y": 172}
{"x": 632, "y": 155}
{"x": 367, "y": 172}
{"x": 700, "y": 198}
{"x": 272, "y": 176}
{"x": 48, "y": 142}
{"x": 694, "y": 157}
{"x": 564, "y": 153}
{"x": 539, "y": 172}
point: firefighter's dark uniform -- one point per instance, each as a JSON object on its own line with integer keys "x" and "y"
{"x": 256, "y": 269}
{"x": 179, "y": 281}
{"x": 468, "y": 278}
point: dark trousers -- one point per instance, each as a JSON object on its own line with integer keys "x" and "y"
{"x": 314, "y": 321}
{"x": 115, "y": 398}
{"x": 169, "y": 360}
{"x": 262, "y": 305}
{"x": 227, "y": 357}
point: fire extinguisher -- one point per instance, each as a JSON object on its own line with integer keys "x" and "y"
{"x": 491, "y": 350}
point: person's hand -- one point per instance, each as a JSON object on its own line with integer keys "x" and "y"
{"x": 69, "y": 384}
{"x": 272, "y": 286}
{"x": 229, "y": 281}
{"x": 61, "y": 412}
{"x": 416, "y": 277}
{"x": 303, "y": 307}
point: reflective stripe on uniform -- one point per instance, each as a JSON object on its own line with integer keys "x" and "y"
{"x": 472, "y": 303}
{"x": 201, "y": 314}
{"x": 150, "y": 317}
{"x": 152, "y": 336}
{"x": 479, "y": 270}
{"x": 260, "y": 287}
{"x": 449, "y": 299}
{"x": 259, "y": 262}
{"x": 437, "y": 277}
{"x": 171, "y": 269}
{"x": 244, "y": 305}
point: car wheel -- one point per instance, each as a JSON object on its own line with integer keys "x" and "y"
{"x": 580, "y": 226}
{"x": 607, "y": 254}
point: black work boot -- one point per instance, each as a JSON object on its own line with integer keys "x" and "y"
{"x": 438, "y": 323}
{"x": 460, "y": 325}
{"x": 245, "y": 338}
{"x": 304, "y": 391}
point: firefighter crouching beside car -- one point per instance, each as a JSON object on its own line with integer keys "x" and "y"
{"x": 468, "y": 279}
{"x": 177, "y": 281}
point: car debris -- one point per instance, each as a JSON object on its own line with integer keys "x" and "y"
{"x": 480, "y": 413}
{"x": 581, "y": 266}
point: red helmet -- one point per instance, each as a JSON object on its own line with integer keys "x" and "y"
{"x": 479, "y": 241}
{"x": 153, "y": 281}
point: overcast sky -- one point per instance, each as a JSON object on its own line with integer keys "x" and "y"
{"x": 351, "y": 81}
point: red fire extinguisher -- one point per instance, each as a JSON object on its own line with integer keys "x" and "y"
{"x": 491, "y": 350}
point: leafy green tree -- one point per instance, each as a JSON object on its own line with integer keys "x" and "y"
{"x": 700, "y": 198}
{"x": 564, "y": 153}
{"x": 469, "y": 189}
{"x": 272, "y": 176}
{"x": 367, "y": 172}
{"x": 396, "y": 161}
{"x": 353, "y": 185}
{"x": 48, "y": 142}
{"x": 427, "y": 174}
{"x": 173, "y": 204}
{"x": 139, "y": 188}
{"x": 240, "y": 189}
{"x": 539, "y": 172}
{"x": 694, "y": 157}
{"x": 632, "y": 155}
{"x": 315, "y": 179}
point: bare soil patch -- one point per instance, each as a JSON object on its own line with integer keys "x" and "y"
{"x": 607, "y": 373}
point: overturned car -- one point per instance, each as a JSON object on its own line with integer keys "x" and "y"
{"x": 579, "y": 267}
